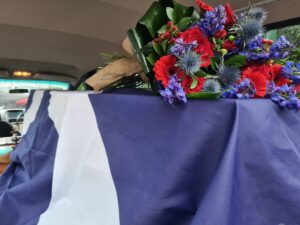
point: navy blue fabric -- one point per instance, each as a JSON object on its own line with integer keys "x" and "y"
{"x": 25, "y": 187}
{"x": 29, "y": 101}
{"x": 226, "y": 162}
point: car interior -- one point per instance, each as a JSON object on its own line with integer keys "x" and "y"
{"x": 57, "y": 45}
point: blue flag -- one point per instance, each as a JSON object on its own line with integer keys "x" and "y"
{"x": 115, "y": 159}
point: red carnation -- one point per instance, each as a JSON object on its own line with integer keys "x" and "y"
{"x": 204, "y": 6}
{"x": 187, "y": 82}
{"x": 258, "y": 80}
{"x": 231, "y": 19}
{"x": 164, "y": 68}
{"x": 204, "y": 46}
{"x": 264, "y": 69}
{"x": 279, "y": 79}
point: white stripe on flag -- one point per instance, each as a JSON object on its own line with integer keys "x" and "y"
{"x": 83, "y": 191}
{"x": 30, "y": 115}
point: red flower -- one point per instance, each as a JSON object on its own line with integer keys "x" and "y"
{"x": 278, "y": 78}
{"x": 267, "y": 41}
{"x": 229, "y": 45}
{"x": 164, "y": 68}
{"x": 204, "y": 47}
{"x": 187, "y": 82}
{"x": 204, "y": 6}
{"x": 264, "y": 69}
{"x": 258, "y": 80}
{"x": 220, "y": 34}
{"x": 231, "y": 19}
{"x": 297, "y": 87}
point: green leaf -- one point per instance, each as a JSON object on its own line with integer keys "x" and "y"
{"x": 194, "y": 83}
{"x": 154, "y": 18}
{"x": 147, "y": 49}
{"x": 280, "y": 61}
{"x": 272, "y": 35}
{"x": 158, "y": 49}
{"x": 201, "y": 73}
{"x": 178, "y": 12}
{"x": 213, "y": 63}
{"x": 170, "y": 11}
{"x": 188, "y": 12}
{"x": 137, "y": 41}
{"x": 204, "y": 95}
{"x": 184, "y": 23}
{"x": 236, "y": 61}
{"x": 192, "y": 13}
{"x": 165, "y": 45}
{"x": 152, "y": 58}
{"x": 162, "y": 30}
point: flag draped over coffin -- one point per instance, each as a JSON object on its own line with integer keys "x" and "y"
{"x": 114, "y": 159}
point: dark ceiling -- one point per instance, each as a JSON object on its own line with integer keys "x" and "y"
{"x": 67, "y": 36}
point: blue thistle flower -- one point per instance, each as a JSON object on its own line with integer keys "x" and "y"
{"x": 250, "y": 29}
{"x": 211, "y": 86}
{"x": 214, "y": 21}
{"x": 189, "y": 62}
{"x": 258, "y": 14}
{"x": 229, "y": 75}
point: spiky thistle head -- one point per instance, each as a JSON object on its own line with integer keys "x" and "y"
{"x": 258, "y": 14}
{"x": 211, "y": 86}
{"x": 189, "y": 62}
{"x": 250, "y": 29}
{"x": 229, "y": 75}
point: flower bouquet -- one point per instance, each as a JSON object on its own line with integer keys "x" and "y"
{"x": 212, "y": 53}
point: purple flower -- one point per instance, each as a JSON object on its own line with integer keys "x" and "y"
{"x": 214, "y": 21}
{"x": 256, "y": 51}
{"x": 284, "y": 96}
{"x": 281, "y": 48}
{"x": 180, "y": 47}
{"x": 174, "y": 92}
{"x": 291, "y": 71}
{"x": 244, "y": 90}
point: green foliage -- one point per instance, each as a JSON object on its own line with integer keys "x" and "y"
{"x": 184, "y": 23}
{"x": 110, "y": 57}
{"x": 236, "y": 61}
{"x": 153, "y": 18}
{"x": 201, "y": 73}
{"x": 154, "y": 23}
{"x": 194, "y": 83}
{"x": 292, "y": 33}
{"x": 204, "y": 95}
{"x": 214, "y": 63}
{"x": 152, "y": 58}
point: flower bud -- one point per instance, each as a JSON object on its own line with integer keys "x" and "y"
{"x": 169, "y": 24}
{"x": 223, "y": 51}
{"x": 231, "y": 38}
{"x": 167, "y": 34}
